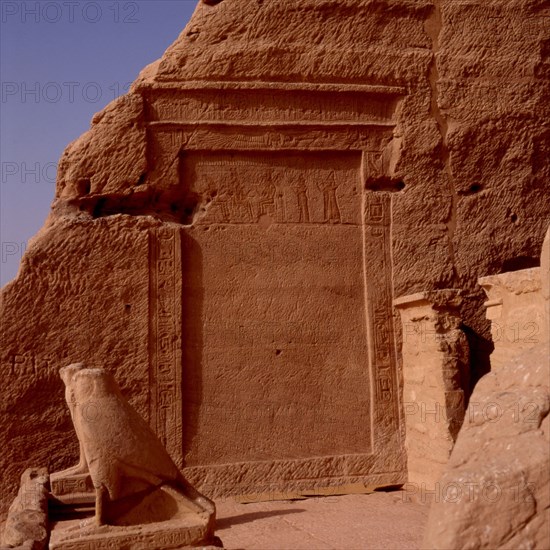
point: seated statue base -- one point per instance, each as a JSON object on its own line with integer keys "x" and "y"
{"x": 162, "y": 519}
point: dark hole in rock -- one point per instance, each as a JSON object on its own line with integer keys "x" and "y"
{"x": 472, "y": 189}
{"x": 384, "y": 184}
{"x": 84, "y": 187}
{"x": 97, "y": 210}
{"x": 475, "y": 188}
{"x": 520, "y": 262}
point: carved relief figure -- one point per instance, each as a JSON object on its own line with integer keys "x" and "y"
{"x": 240, "y": 206}
{"x": 266, "y": 199}
{"x": 280, "y": 205}
{"x": 303, "y": 203}
{"x": 118, "y": 448}
{"x": 223, "y": 214}
{"x": 252, "y": 204}
{"x": 280, "y": 184}
{"x": 330, "y": 202}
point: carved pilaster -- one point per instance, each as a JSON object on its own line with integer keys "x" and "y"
{"x": 435, "y": 374}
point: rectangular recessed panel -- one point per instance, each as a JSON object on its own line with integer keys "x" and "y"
{"x": 274, "y": 327}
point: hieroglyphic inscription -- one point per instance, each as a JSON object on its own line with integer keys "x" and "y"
{"x": 378, "y": 280}
{"x": 171, "y": 137}
{"x": 272, "y": 106}
{"x": 165, "y": 302}
{"x": 373, "y": 163}
{"x": 73, "y": 484}
{"x": 29, "y": 364}
{"x": 234, "y": 159}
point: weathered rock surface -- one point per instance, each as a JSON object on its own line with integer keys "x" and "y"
{"x": 436, "y": 371}
{"x": 27, "y": 524}
{"x": 228, "y": 237}
{"x": 495, "y": 492}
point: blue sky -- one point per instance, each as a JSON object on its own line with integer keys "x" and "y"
{"x": 61, "y": 62}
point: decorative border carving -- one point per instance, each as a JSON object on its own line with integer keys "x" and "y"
{"x": 238, "y": 478}
{"x": 165, "y": 339}
{"x": 280, "y": 189}
{"x": 272, "y": 107}
{"x": 380, "y": 329}
{"x": 167, "y": 138}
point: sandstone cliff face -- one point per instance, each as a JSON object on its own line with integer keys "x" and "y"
{"x": 472, "y": 123}
{"x": 441, "y": 106}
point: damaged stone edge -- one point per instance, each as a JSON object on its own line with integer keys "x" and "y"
{"x": 27, "y": 522}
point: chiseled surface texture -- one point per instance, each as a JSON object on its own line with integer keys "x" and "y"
{"x": 230, "y": 250}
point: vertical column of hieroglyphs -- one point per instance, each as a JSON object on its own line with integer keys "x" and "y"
{"x": 378, "y": 280}
{"x": 165, "y": 353}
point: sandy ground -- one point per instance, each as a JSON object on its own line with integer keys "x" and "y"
{"x": 379, "y": 521}
{"x": 382, "y": 520}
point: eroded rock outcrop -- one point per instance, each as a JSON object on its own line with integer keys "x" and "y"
{"x": 495, "y": 492}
